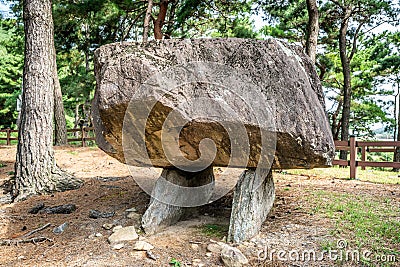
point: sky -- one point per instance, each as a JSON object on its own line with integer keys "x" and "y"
{"x": 4, "y": 9}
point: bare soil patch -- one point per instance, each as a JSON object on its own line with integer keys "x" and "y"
{"x": 109, "y": 186}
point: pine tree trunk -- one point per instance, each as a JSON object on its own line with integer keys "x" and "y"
{"x": 60, "y": 125}
{"x": 312, "y": 29}
{"x": 147, "y": 18}
{"x": 35, "y": 169}
{"x": 159, "y": 22}
{"x": 346, "y": 82}
{"x": 396, "y": 156}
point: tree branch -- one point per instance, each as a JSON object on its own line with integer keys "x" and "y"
{"x": 37, "y": 230}
{"x": 354, "y": 46}
{"x": 34, "y": 240}
{"x": 147, "y": 18}
{"x": 131, "y": 25}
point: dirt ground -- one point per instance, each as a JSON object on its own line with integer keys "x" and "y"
{"x": 110, "y": 186}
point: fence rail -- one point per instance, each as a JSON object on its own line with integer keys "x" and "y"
{"x": 352, "y": 146}
{"x": 365, "y": 146}
{"x": 83, "y": 135}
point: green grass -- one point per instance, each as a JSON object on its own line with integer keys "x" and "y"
{"x": 175, "y": 263}
{"x": 368, "y": 175}
{"x": 215, "y": 230}
{"x": 366, "y": 222}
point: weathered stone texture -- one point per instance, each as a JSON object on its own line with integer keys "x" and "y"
{"x": 281, "y": 71}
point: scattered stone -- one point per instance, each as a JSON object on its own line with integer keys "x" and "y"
{"x": 61, "y": 209}
{"x": 233, "y": 257}
{"x": 6, "y": 199}
{"x": 36, "y": 208}
{"x": 133, "y": 209}
{"x": 118, "y": 246}
{"x": 61, "y": 228}
{"x": 116, "y": 228}
{"x": 123, "y": 234}
{"x": 98, "y": 235}
{"x": 208, "y": 254}
{"x": 142, "y": 245}
{"x": 195, "y": 246}
{"x": 95, "y": 214}
{"x": 196, "y": 261}
{"x": 214, "y": 248}
{"x": 108, "y": 226}
{"x": 151, "y": 255}
{"x": 133, "y": 215}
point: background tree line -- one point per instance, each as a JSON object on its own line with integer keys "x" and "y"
{"x": 352, "y": 58}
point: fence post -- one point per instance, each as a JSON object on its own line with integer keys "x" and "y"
{"x": 363, "y": 155}
{"x": 353, "y": 153}
{"x": 8, "y": 136}
{"x": 83, "y": 136}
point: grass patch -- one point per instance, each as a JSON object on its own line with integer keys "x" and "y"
{"x": 175, "y": 263}
{"x": 215, "y": 230}
{"x": 368, "y": 223}
{"x": 368, "y": 175}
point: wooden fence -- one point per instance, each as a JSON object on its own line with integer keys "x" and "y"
{"x": 365, "y": 146}
{"x": 83, "y": 135}
{"x": 353, "y": 146}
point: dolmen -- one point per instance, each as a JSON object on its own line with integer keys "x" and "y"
{"x": 190, "y": 106}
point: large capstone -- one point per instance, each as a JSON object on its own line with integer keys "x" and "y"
{"x": 260, "y": 102}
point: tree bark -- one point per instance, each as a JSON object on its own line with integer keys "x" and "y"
{"x": 396, "y": 156}
{"x": 312, "y": 29}
{"x": 335, "y": 124}
{"x": 159, "y": 22}
{"x": 346, "y": 80}
{"x": 60, "y": 125}
{"x": 147, "y": 18}
{"x": 36, "y": 171}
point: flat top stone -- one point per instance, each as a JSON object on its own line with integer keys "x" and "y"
{"x": 123, "y": 234}
{"x": 215, "y": 88}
